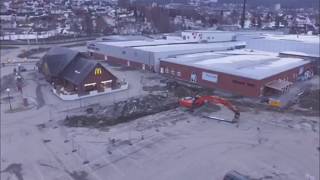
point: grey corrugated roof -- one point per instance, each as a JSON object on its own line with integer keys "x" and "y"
{"x": 78, "y": 70}
{"x": 58, "y": 58}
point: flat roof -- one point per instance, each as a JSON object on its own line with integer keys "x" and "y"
{"x": 203, "y": 55}
{"x": 139, "y": 43}
{"x": 246, "y": 63}
{"x": 193, "y": 46}
{"x": 208, "y": 31}
{"x": 296, "y": 53}
{"x": 314, "y": 39}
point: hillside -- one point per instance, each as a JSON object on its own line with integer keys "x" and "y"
{"x": 284, "y": 3}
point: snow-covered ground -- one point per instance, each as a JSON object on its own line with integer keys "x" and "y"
{"x": 301, "y": 38}
{"x": 169, "y": 145}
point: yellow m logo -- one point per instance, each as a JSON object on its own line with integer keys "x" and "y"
{"x": 98, "y": 71}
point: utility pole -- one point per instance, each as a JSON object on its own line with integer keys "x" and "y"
{"x": 243, "y": 17}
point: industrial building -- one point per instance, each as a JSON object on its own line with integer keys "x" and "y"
{"x": 314, "y": 58}
{"x": 146, "y": 54}
{"x": 243, "y": 72}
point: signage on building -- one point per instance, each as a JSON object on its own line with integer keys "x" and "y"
{"x": 210, "y": 77}
{"x": 98, "y": 71}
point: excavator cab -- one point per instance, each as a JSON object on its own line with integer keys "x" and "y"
{"x": 187, "y": 102}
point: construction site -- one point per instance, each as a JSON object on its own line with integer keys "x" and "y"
{"x": 190, "y": 110}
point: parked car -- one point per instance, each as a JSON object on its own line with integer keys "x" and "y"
{"x": 22, "y": 69}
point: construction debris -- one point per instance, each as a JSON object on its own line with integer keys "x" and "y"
{"x": 123, "y": 111}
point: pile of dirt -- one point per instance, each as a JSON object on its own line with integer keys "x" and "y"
{"x": 154, "y": 88}
{"x": 310, "y": 100}
{"x": 123, "y": 111}
{"x": 185, "y": 90}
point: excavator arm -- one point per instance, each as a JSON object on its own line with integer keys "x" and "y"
{"x": 201, "y": 100}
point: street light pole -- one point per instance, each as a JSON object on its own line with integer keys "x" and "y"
{"x": 243, "y": 16}
{"x": 8, "y": 90}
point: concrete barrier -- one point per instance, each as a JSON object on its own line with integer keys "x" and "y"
{"x": 70, "y": 97}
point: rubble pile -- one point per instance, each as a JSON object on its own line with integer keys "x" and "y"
{"x": 123, "y": 111}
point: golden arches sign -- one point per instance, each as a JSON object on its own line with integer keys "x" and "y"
{"x": 98, "y": 71}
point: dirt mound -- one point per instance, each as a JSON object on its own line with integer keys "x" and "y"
{"x": 154, "y": 88}
{"x": 185, "y": 90}
{"x": 123, "y": 111}
{"x": 310, "y": 100}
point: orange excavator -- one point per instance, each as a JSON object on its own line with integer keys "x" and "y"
{"x": 198, "y": 101}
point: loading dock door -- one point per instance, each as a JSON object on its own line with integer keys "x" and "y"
{"x": 279, "y": 85}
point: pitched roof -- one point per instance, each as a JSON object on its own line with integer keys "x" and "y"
{"x": 69, "y": 64}
{"x": 57, "y": 59}
{"x": 78, "y": 70}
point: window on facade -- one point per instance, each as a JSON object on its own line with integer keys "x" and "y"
{"x": 193, "y": 77}
{"x": 161, "y": 70}
{"x": 166, "y": 70}
{"x": 238, "y": 82}
{"x": 179, "y": 73}
{"x": 172, "y": 72}
{"x": 123, "y": 52}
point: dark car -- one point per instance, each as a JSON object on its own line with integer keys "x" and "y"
{"x": 22, "y": 69}
{"x": 234, "y": 175}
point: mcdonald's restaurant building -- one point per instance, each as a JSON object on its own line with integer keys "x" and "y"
{"x": 70, "y": 72}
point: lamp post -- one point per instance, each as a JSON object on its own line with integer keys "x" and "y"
{"x": 243, "y": 16}
{"x": 8, "y": 90}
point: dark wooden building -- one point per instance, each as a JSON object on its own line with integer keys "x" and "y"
{"x": 71, "y": 72}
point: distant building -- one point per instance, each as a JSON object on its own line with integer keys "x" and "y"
{"x": 277, "y": 7}
{"x": 208, "y": 36}
{"x": 147, "y": 54}
{"x": 70, "y": 72}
